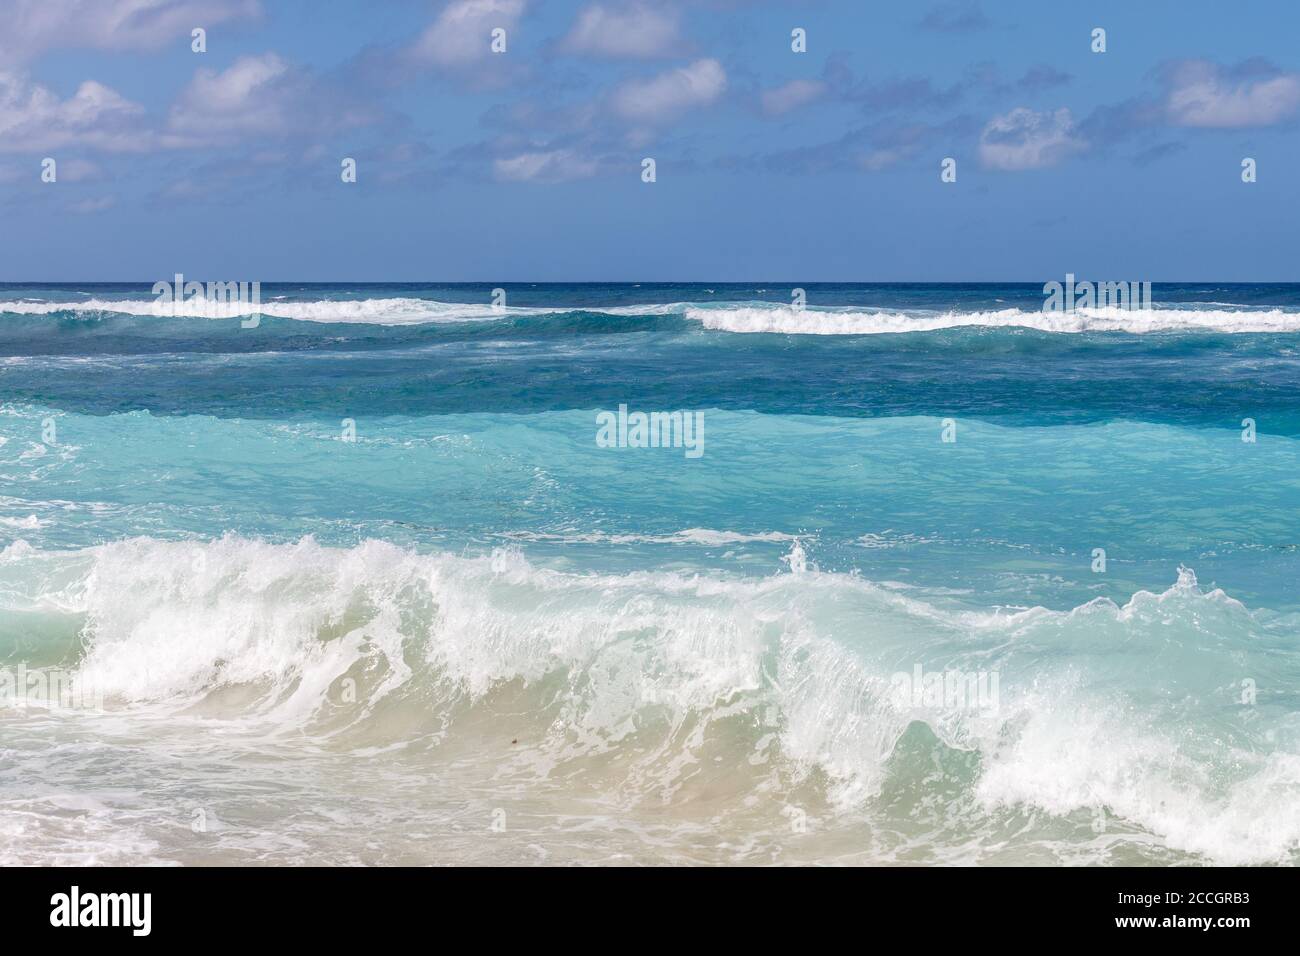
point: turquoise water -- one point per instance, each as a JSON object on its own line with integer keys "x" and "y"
{"x": 367, "y": 567}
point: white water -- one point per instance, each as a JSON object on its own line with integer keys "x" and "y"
{"x": 630, "y": 692}
{"x": 741, "y": 317}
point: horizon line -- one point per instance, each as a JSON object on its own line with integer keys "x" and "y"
{"x": 723, "y": 282}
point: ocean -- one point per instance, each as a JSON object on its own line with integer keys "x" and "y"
{"x": 649, "y": 573}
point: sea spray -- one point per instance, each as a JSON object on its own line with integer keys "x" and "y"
{"x": 777, "y": 648}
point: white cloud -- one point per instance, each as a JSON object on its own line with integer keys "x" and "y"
{"x": 1202, "y": 94}
{"x": 77, "y": 171}
{"x": 670, "y": 93}
{"x": 462, "y": 33}
{"x": 259, "y": 95}
{"x": 790, "y": 96}
{"x": 33, "y": 26}
{"x": 633, "y": 31}
{"x": 93, "y": 205}
{"x": 248, "y": 96}
{"x": 256, "y": 96}
{"x": 878, "y": 159}
{"x": 585, "y": 142}
{"x": 551, "y": 166}
{"x": 34, "y": 119}
{"x": 1024, "y": 139}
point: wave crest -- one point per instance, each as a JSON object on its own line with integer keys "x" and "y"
{"x": 391, "y": 311}
{"x": 785, "y": 320}
{"x": 748, "y": 317}
{"x": 1121, "y": 708}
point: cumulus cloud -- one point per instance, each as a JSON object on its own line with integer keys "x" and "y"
{"x": 260, "y": 95}
{"x": 34, "y": 26}
{"x": 548, "y": 142}
{"x": 672, "y": 92}
{"x": 791, "y": 96}
{"x": 1203, "y": 94}
{"x": 462, "y": 33}
{"x": 1023, "y": 139}
{"x": 247, "y": 96}
{"x": 34, "y": 118}
{"x": 633, "y": 31}
{"x": 256, "y": 96}
{"x": 549, "y": 166}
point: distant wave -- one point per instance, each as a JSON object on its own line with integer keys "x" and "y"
{"x": 376, "y": 311}
{"x": 785, "y": 320}
{"x": 747, "y": 317}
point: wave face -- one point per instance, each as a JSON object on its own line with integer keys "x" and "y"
{"x": 753, "y": 316}
{"x": 788, "y": 321}
{"x": 366, "y": 584}
{"x": 783, "y": 687}
{"x": 387, "y": 311}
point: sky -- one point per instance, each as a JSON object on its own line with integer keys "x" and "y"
{"x": 527, "y": 164}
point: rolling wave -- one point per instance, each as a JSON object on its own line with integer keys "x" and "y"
{"x": 800, "y": 668}
{"x": 785, "y": 320}
{"x": 392, "y": 311}
{"x": 746, "y": 317}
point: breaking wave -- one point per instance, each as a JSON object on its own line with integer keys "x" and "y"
{"x": 799, "y": 668}
{"x": 391, "y": 311}
{"x": 785, "y": 320}
{"x": 750, "y": 317}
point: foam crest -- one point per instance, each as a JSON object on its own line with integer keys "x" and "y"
{"x": 783, "y": 319}
{"x": 749, "y": 317}
{"x": 1125, "y": 709}
{"x": 391, "y": 311}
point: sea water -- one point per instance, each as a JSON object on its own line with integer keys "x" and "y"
{"x": 361, "y": 584}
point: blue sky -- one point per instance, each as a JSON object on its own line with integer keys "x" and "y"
{"x": 526, "y": 165}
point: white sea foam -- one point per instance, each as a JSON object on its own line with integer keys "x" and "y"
{"x": 786, "y": 320}
{"x": 393, "y": 311}
{"x": 30, "y": 523}
{"x": 747, "y": 317}
{"x": 1104, "y": 707}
